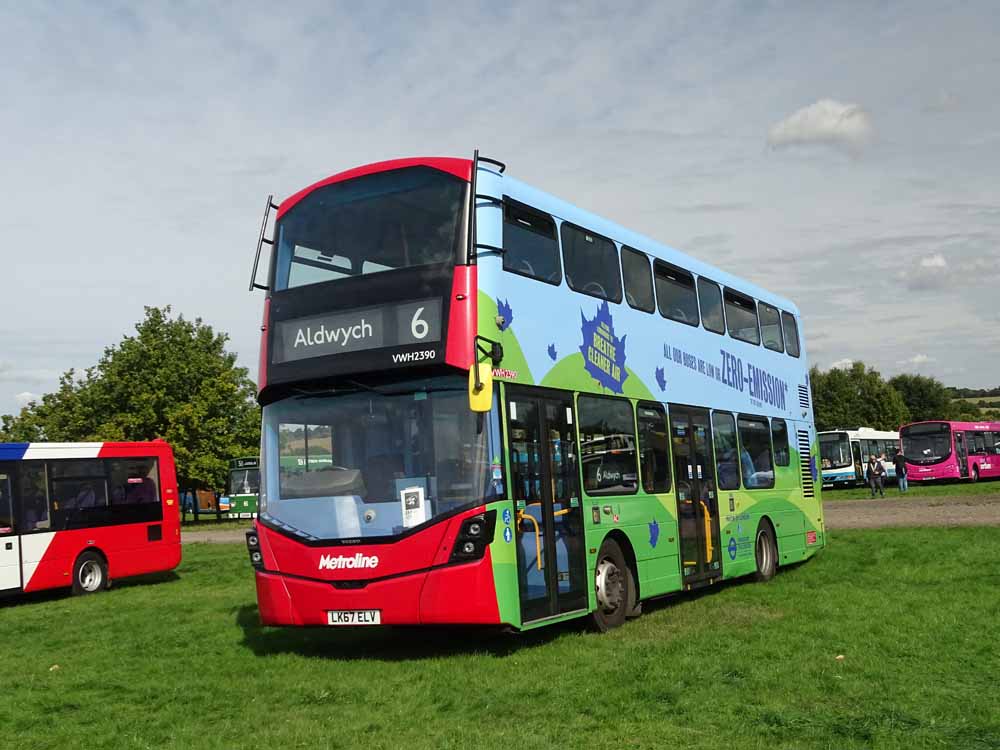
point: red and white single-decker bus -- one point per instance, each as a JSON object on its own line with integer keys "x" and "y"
{"x": 82, "y": 514}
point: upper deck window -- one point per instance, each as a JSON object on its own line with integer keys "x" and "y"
{"x": 638, "y": 280}
{"x": 770, "y": 327}
{"x": 675, "y": 293}
{"x": 530, "y": 247}
{"x": 741, "y": 314}
{"x": 791, "y": 334}
{"x": 591, "y": 263}
{"x": 379, "y": 222}
{"x": 710, "y": 297}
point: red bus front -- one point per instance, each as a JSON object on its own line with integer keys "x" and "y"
{"x": 378, "y": 497}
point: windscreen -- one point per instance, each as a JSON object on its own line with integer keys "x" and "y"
{"x": 378, "y": 222}
{"x": 835, "y": 450}
{"x": 244, "y": 481}
{"x": 926, "y": 443}
{"x": 372, "y": 463}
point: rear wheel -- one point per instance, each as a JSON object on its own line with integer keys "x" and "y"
{"x": 612, "y": 584}
{"x": 766, "y": 552}
{"x": 975, "y": 473}
{"x": 90, "y": 573}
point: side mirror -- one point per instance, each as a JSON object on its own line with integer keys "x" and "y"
{"x": 481, "y": 387}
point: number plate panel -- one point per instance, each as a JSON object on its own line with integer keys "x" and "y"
{"x": 354, "y": 617}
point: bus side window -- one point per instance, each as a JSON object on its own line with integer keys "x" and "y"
{"x": 33, "y": 492}
{"x": 791, "y": 334}
{"x": 770, "y": 327}
{"x": 638, "y": 280}
{"x": 978, "y": 442}
{"x": 675, "y": 293}
{"x": 756, "y": 459}
{"x": 529, "y": 243}
{"x": 726, "y": 462}
{"x": 779, "y": 433}
{"x": 710, "y": 301}
{"x": 607, "y": 445}
{"x": 741, "y": 315}
{"x": 654, "y": 454}
{"x": 591, "y": 263}
{"x": 6, "y": 504}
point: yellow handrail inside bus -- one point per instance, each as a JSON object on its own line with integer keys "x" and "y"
{"x": 709, "y": 552}
{"x": 522, "y": 516}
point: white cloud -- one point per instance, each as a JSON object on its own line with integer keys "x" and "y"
{"x": 827, "y": 122}
{"x": 842, "y": 364}
{"x": 26, "y": 397}
{"x": 934, "y": 261}
{"x": 916, "y": 360}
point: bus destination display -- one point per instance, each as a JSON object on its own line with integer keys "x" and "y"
{"x": 377, "y": 327}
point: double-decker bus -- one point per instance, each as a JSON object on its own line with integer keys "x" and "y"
{"x": 83, "y": 514}
{"x": 532, "y": 413}
{"x": 844, "y": 454}
{"x": 951, "y": 450}
{"x": 243, "y": 486}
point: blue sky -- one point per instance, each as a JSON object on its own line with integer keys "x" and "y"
{"x": 844, "y": 155}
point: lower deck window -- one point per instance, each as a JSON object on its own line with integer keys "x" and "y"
{"x": 756, "y": 461}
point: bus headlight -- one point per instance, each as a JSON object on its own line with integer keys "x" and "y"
{"x": 253, "y": 547}
{"x": 474, "y": 536}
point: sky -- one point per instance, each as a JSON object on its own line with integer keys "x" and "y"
{"x": 843, "y": 155}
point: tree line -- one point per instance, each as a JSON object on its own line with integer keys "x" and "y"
{"x": 858, "y": 396}
{"x": 174, "y": 379}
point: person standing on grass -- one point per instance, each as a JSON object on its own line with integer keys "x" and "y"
{"x": 876, "y": 475}
{"x": 900, "y": 462}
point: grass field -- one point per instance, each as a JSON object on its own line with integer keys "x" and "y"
{"x": 992, "y": 401}
{"x": 184, "y": 663}
{"x": 934, "y": 489}
{"x": 208, "y": 523}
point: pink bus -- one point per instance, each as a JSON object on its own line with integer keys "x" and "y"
{"x": 951, "y": 450}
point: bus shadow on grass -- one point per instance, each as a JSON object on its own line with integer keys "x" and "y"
{"x": 391, "y": 643}
{"x": 49, "y": 595}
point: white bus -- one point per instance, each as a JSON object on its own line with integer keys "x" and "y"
{"x": 844, "y": 454}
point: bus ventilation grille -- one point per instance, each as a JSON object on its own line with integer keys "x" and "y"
{"x": 803, "y": 397}
{"x": 805, "y": 461}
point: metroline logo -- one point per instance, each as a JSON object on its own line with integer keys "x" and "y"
{"x": 329, "y": 562}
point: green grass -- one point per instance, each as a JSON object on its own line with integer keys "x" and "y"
{"x": 208, "y": 523}
{"x": 184, "y": 663}
{"x": 917, "y": 491}
{"x": 991, "y": 400}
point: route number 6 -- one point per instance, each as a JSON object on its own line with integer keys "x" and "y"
{"x": 418, "y": 326}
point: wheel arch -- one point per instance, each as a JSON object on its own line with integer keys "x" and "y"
{"x": 765, "y": 519}
{"x": 99, "y": 552}
{"x": 629, "y": 552}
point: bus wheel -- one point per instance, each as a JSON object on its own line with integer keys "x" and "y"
{"x": 611, "y": 585}
{"x": 766, "y": 551}
{"x": 90, "y": 573}
{"x": 975, "y": 473}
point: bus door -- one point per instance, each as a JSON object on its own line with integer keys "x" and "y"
{"x": 697, "y": 498}
{"x": 859, "y": 462}
{"x": 10, "y": 552}
{"x": 961, "y": 454}
{"x": 551, "y": 558}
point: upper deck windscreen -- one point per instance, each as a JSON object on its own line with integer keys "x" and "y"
{"x": 379, "y": 222}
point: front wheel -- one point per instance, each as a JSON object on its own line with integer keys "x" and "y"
{"x": 766, "y": 552}
{"x": 975, "y": 473}
{"x": 612, "y": 583}
{"x": 90, "y": 573}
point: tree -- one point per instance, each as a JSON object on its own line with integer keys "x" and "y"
{"x": 174, "y": 380}
{"x": 855, "y": 397}
{"x": 926, "y": 398}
